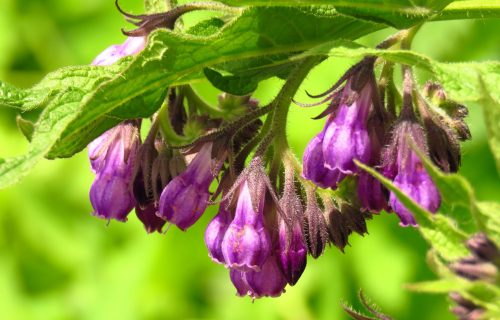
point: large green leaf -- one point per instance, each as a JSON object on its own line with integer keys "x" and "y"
{"x": 468, "y": 81}
{"x": 395, "y": 13}
{"x": 78, "y": 112}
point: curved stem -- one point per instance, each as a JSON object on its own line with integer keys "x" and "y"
{"x": 284, "y": 99}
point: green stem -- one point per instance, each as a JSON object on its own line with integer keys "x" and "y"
{"x": 284, "y": 99}
{"x": 171, "y": 137}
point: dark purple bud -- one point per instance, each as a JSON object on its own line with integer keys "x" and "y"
{"x": 112, "y": 157}
{"x": 315, "y": 229}
{"x": 115, "y": 52}
{"x": 214, "y": 234}
{"x": 483, "y": 248}
{"x": 185, "y": 198}
{"x": 338, "y": 230}
{"x": 143, "y": 183}
{"x": 402, "y": 164}
{"x": 474, "y": 269}
{"x": 149, "y": 218}
{"x": 314, "y": 165}
{"x": 460, "y": 300}
{"x": 371, "y": 194}
{"x": 444, "y": 148}
{"x": 268, "y": 282}
{"x": 292, "y": 251}
{"x": 247, "y": 244}
{"x": 346, "y": 137}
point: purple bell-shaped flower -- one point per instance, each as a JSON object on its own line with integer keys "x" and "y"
{"x": 247, "y": 244}
{"x": 268, "y": 282}
{"x": 185, "y": 198}
{"x": 214, "y": 234}
{"x": 112, "y": 158}
{"x": 314, "y": 164}
{"x": 403, "y": 165}
{"x": 346, "y": 137}
{"x": 292, "y": 251}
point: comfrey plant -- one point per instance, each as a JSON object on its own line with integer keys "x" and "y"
{"x": 386, "y": 146}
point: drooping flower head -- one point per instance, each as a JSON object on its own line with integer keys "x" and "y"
{"x": 247, "y": 244}
{"x": 214, "y": 234}
{"x": 402, "y": 164}
{"x": 112, "y": 157}
{"x": 185, "y": 198}
{"x": 329, "y": 157}
{"x": 291, "y": 249}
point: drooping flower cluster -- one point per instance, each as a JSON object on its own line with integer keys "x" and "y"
{"x": 269, "y": 217}
{"x": 359, "y": 127}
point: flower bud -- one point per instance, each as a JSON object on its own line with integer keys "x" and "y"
{"x": 268, "y": 282}
{"x": 483, "y": 248}
{"x": 149, "y": 219}
{"x": 238, "y": 278}
{"x": 402, "y": 164}
{"x": 113, "y": 53}
{"x": 474, "y": 269}
{"x": 371, "y": 194}
{"x": 112, "y": 157}
{"x": 346, "y": 137}
{"x": 314, "y": 165}
{"x": 292, "y": 251}
{"x": 315, "y": 229}
{"x": 247, "y": 244}
{"x": 185, "y": 198}
{"x": 214, "y": 234}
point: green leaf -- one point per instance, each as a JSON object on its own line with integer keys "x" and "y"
{"x": 462, "y": 81}
{"x": 80, "y": 108}
{"x": 394, "y": 13}
{"x": 437, "y": 229}
{"x": 154, "y": 6}
{"x": 491, "y": 109}
{"x": 26, "y": 127}
{"x": 489, "y": 215}
{"x": 236, "y": 85}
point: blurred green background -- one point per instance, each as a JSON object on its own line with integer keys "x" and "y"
{"x": 59, "y": 262}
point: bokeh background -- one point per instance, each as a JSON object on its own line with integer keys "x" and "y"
{"x": 59, "y": 262}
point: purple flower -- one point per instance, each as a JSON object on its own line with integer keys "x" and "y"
{"x": 403, "y": 165}
{"x": 372, "y": 195}
{"x": 185, "y": 198}
{"x": 113, "y": 53}
{"x": 247, "y": 244}
{"x": 292, "y": 251}
{"x": 238, "y": 278}
{"x": 314, "y": 164}
{"x": 346, "y": 137}
{"x": 268, "y": 282}
{"x": 149, "y": 218}
{"x": 112, "y": 157}
{"x": 215, "y": 232}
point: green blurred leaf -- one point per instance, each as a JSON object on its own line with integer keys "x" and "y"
{"x": 489, "y": 214}
{"x": 79, "y": 109}
{"x": 491, "y": 109}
